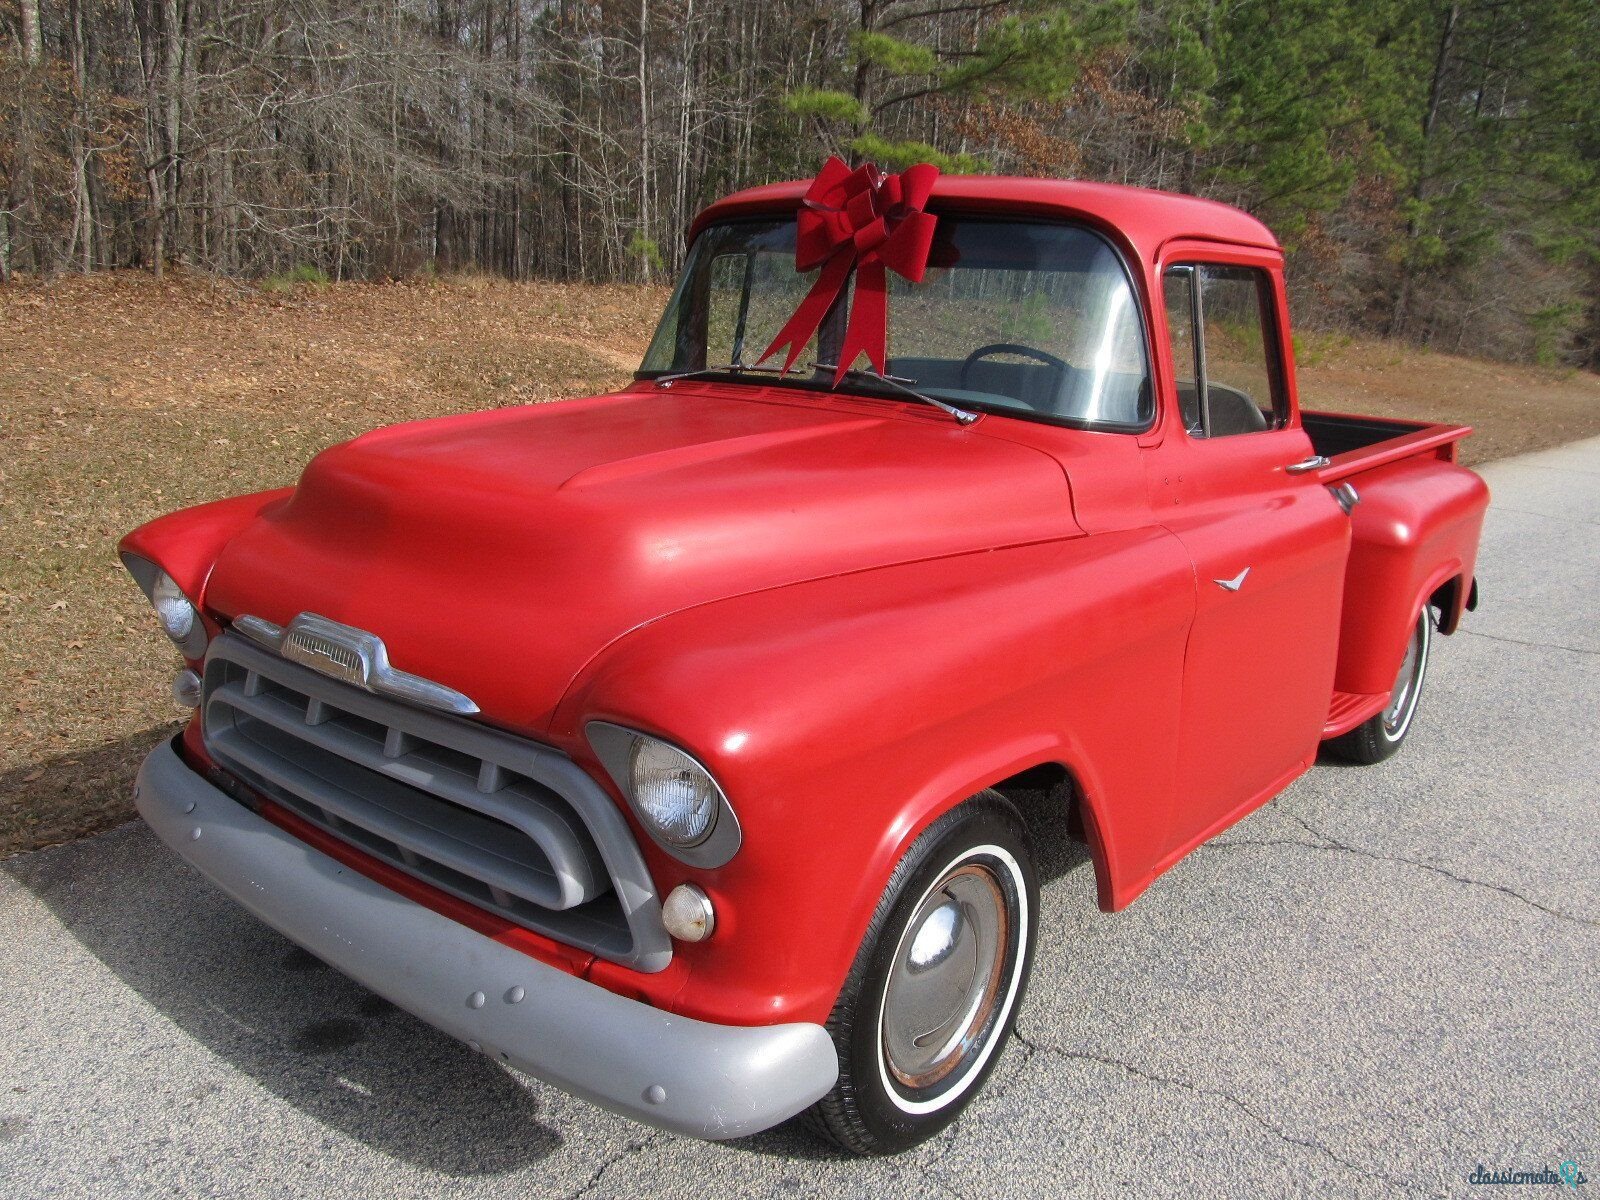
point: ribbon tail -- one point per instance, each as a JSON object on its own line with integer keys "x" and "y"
{"x": 868, "y": 331}
{"x": 797, "y": 330}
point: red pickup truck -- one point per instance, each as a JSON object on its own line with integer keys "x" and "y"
{"x": 661, "y": 743}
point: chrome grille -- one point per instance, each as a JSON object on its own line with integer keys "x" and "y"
{"x": 509, "y": 825}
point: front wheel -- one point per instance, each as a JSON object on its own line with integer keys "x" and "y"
{"x": 1378, "y": 737}
{"x": 936, "y": 983}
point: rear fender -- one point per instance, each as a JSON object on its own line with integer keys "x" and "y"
{"x": 1414, "y": 531}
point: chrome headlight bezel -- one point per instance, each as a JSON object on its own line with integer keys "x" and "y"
{"x": 617, "y": 747}
{"x": 176, "y": 612}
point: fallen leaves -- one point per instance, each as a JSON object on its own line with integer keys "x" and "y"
{"x": 120, "y": 401}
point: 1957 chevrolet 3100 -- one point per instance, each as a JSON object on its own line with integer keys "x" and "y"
{"x": 659, "y": 743}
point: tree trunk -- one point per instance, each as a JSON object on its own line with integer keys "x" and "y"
{"x": 680, "y": 184}
{"x": 32, "y": 41}
{"x": 1441, "y": 62}
{"x": 867, "y": 16}
{"x": 172, "y": 121}
{"x": 83, "y": 230}
{"x": 146, "y": 27}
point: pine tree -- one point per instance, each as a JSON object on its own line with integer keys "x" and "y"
{"x": 932, "y": 55}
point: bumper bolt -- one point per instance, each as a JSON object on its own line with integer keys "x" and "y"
{"x": 656, "y": 1094}
{"x": 515, "y": 995}
{"x": 476, "y": 1000}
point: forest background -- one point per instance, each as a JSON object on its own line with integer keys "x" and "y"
{"x": 1431, "y": 167}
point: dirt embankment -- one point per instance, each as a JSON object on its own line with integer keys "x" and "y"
{"x": 121, "y": 399}
{"x": 1512, "y": 409}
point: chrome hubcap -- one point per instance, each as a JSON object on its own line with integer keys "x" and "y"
{"x": 945, "y": 984}
{"x": 1406, "y": 685}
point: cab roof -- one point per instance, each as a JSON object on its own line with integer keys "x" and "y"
{"x": 1143, "y": 217}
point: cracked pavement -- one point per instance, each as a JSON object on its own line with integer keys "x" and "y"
{"x": 1385, "y": 977}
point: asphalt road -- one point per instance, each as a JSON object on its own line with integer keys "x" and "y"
{"x": 1387, "y": 976}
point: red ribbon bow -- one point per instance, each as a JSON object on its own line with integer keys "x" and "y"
{"x": 869, "y": 221}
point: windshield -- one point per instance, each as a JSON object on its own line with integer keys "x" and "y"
{"x": 1027, "y": 318}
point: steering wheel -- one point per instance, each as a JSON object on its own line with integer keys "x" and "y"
{"x": 1049, "y": 360}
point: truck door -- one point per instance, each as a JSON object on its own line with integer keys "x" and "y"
{"x": 1234, "y": 479}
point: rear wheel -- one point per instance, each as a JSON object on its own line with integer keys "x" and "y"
{"x": 935, "y": 986}
{"x": 1378, "y": 737}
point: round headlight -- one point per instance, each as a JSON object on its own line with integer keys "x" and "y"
{"x": 673, "y": 792}
{"x": 173, "y": 610}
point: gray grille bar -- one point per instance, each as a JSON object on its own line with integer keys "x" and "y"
{"x": 574, "y": 873}
{"x": 452, "y": 839}
{"x": 505, "y": 823}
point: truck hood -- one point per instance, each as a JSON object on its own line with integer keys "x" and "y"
{"x": 498, "y": 552}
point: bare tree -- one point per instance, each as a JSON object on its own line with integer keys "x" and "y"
{"x": 32, "y": 40}
{"x": 575, "y": 139}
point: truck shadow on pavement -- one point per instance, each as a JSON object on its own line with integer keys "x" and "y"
{"x": 301, "y": 1030}
{"x": 71, "y": 795}
{"x": 293, "y": 1025}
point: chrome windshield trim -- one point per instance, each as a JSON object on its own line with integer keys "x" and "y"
{"x": 352, "y": 656}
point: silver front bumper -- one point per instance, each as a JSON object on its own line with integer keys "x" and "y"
{"x": 694, "y": 1077}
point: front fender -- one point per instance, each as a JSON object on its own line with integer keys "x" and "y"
{"x": 185, "y": 544}
{"x": 842, "y": 716}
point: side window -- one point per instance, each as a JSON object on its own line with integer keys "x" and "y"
{"x": 1228, "y": 381}
{"x": 1241, "y": 385}
{"x": 1179, "y": 286}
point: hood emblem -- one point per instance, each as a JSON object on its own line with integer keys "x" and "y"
{"x": 351, "y": 656}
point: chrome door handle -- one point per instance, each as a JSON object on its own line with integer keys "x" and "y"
{"x": 1315, "y": 463}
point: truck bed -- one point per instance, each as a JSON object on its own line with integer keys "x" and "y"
{"x": 1356, "y": 444}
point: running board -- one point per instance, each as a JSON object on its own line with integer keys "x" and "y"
{"x": 1349, "y": 709}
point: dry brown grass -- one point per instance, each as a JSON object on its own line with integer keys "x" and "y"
{"x": 1513, "y": 410}
{"x": 121, "y": 400}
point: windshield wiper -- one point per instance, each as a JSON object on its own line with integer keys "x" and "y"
{"x": 898, "y": 383}
{"x": 733, "y": 368}
{"x": 903, "y": 385}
